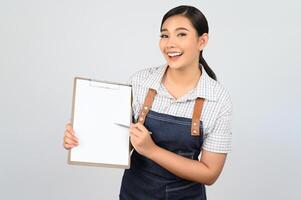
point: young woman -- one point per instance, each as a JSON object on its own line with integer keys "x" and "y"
{"x": 187, "y": 111}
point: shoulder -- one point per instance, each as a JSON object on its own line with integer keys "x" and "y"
{"x": 222, "y": 96}
{"x": 216, "y": 93}
{"x": 221, "y": 93}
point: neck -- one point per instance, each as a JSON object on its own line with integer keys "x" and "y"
{"x": 185, "y": 77}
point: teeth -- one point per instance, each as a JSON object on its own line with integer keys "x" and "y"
{"x": 174, "y": 54}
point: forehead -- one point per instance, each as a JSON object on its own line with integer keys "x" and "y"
{"x": 176, "y": 21}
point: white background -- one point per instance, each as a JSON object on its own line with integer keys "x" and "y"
{"x": 253, "y": 48}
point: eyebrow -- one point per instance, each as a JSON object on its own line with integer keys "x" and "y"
{"x": 179, "y": 28}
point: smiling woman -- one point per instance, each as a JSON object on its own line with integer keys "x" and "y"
{"x": 186, "y": 110}
{"x": 179, "y": 39}
{"x": 189, "y": 25}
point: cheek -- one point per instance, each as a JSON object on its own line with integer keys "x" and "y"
{"x": 191, "y": 48}
{"x": 161, "y": 45}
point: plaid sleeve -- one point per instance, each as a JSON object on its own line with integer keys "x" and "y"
{"x": 131, "y": 81}
{"x": 219, "y": 136}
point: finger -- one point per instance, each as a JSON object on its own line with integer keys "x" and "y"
{"x": 141, "y": 127}
{"x": 74, "y": 139}
{"x": 70, "y": 135}
{"x": 133, "y": 140}
{"x": 135, "y": 132}
{"x": 132, "y": 128}
{"x": 69, "y": 126}
{"x": 68, "y": 146}
{"x": 135, "y": 128}
{"x": 134, "y": 135}
{"x": 70, "y": 130}
{"x": 70, "y": 141}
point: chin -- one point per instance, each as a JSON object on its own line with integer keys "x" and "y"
{"x": 175, "y": 65}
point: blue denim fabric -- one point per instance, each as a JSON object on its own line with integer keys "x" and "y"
{"x": 146, "y": 180}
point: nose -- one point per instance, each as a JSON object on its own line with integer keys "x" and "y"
{"x": 170, "y": 43}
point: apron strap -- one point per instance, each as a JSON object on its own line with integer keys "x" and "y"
{"x": 198, "y": 106}
{"x": 147, "y": 105}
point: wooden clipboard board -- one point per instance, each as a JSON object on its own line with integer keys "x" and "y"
{"x": 97, "y": 108}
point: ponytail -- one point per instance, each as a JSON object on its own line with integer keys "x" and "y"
{"x": 206, "y": 66}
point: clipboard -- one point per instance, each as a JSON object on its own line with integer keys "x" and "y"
{"x": 97, "y": 109}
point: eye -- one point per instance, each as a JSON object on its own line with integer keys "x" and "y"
{"x": 163, "y": 36}
{"x": 182, "y": 34}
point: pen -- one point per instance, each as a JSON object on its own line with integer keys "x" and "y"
{"x": 126, "y": 126}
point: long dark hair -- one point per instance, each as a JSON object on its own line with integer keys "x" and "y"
{"x": 199, "y": 22}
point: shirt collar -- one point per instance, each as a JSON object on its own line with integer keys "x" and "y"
{"x": 204, "y": 88}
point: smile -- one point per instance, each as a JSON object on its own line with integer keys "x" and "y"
{"x": 174, "y": 54}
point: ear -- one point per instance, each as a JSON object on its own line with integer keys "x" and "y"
{"x": 203, "y": 40}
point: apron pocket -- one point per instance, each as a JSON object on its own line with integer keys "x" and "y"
{"x": 187, "y": 190}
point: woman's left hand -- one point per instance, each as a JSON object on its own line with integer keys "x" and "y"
{"x": 141, "y": 139}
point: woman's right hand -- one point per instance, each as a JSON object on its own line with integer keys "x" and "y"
{"x": 70, "y": 140}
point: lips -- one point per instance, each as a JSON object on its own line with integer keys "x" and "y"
{"x": 173, "y": 55}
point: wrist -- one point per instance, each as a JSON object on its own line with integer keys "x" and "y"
{"x": 153, "y": 152}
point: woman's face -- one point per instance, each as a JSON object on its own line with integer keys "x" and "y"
{"x": 179, "y": 43}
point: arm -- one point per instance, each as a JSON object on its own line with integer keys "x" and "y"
{"x": 209, "y": 167}
{"x": 205, "y": 171}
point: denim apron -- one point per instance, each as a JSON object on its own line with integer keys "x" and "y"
{"x": 146, "y": 180}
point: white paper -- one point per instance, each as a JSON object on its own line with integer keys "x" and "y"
{"x": 97, "y": 107}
